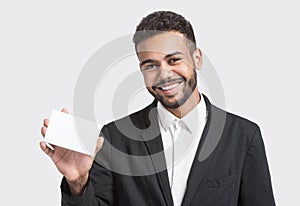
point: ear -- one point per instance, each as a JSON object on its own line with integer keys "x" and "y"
{"x": 197, "y": 56}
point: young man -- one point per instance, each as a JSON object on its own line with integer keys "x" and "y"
{"x": 181, "y": 149}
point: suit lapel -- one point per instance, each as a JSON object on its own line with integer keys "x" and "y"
{"x": 153, "y": 142}
{"x": 209, "y": 139}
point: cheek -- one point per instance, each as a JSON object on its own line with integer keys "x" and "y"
{"x": 149, "y": 80}
{"x": 184, "y": 71}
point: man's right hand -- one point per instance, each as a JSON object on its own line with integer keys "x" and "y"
{"x": 73, "y": 165}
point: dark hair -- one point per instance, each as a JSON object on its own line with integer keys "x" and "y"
{"x": 162, "y": 21}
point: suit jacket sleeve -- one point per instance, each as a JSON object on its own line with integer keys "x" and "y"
{"x": 99, "y": 189}
{"x": 255, "y": 188}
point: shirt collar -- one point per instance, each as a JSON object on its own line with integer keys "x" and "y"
{"x": 191, "y": 120}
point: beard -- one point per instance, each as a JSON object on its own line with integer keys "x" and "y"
{"x": 188, "y": 89}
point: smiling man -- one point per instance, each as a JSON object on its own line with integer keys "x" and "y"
{"x": 168, "y": 138}
{"x": 168, "y": 66}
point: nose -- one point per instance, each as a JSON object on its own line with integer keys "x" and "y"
{"x": 165, "y": 71}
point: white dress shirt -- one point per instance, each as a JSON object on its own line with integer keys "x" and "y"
{"x": 180, "y": 139}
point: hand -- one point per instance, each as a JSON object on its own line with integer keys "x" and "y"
{"x": 73, "y": 165}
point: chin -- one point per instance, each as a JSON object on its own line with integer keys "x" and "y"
{"x": 172, "y": 104}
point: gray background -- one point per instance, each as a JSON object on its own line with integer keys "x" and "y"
{"x": 253, "y": 45}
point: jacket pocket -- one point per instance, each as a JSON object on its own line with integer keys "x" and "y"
{"x": 221, "y": 182}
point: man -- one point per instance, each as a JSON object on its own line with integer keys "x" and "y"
{"x": 186, "y": 151}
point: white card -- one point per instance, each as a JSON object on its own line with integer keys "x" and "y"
{"x": 72, "y": 132}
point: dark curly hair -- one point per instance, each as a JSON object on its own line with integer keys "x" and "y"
{"x": 162, "y": 21}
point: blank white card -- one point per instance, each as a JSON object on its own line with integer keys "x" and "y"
{"x": 72, "y": 132}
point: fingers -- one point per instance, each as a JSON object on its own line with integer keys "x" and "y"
{"x": 46, "y": 149}
{"x": 43, "y": 131}
{"x": 99, "y": 145}
{"x": 65, "y": 110}
{"x": 46, "y": 122}
{"x": 44, "y": 128}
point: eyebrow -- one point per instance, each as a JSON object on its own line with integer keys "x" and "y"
{"x": 155, "y": 61}
{"x": 172, "y": 54}
{"x": 148, "y": 61}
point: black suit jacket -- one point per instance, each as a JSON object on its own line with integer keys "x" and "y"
{"x": 230, "y": 167}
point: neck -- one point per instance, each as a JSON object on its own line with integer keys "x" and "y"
{"x": 189, "y": 105}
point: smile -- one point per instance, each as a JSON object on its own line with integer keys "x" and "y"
{"x": 170, "y": 86}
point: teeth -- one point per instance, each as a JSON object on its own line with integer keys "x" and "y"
{"x": 169, "y": 87}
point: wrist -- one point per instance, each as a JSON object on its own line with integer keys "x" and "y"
{"x": 77, "y": 186}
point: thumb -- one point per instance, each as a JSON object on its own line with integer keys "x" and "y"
{"x": 46, "y": 149}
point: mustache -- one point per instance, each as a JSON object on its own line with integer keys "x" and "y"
{"x": 166, "y": 81}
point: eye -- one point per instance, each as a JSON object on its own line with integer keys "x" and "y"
{"x": 149, "y": 67}
{"x": 173, "y": 60}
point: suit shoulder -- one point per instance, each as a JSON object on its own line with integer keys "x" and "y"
{"x": 242, "y": 120}
{"x": 238, "y": 122}
{"x": 238, "y": 130}
{"x": 139, "y": 118}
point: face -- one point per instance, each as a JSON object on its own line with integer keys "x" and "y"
{"x": 169, "y": 67}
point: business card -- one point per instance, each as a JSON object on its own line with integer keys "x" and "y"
{"x": 74, "y": 133}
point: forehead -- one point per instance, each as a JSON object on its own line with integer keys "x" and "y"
{"x": 162, "y": 44}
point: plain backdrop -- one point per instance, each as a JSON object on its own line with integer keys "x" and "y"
{"x": 254, "y": 47}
